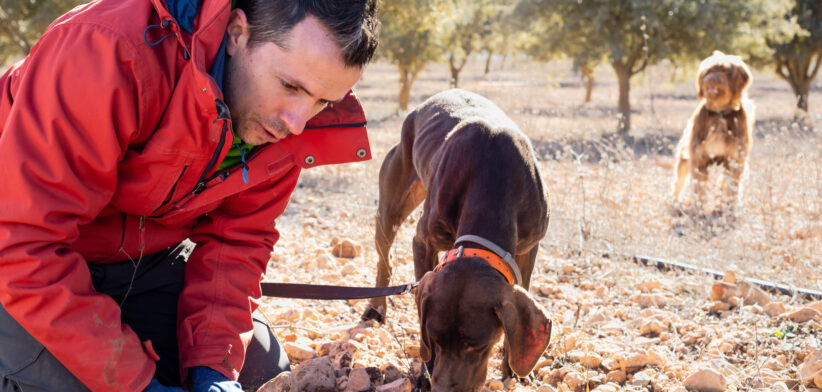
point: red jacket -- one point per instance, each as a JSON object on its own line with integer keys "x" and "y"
{"x": 108, "y": 150}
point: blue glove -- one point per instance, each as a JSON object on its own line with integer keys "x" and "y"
{"x": 206, "y": 379}
{"x": 155, "y": 386}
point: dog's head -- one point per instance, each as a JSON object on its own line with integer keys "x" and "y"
{"x": 722, "y": 81}
{"x": 464, "y": 309}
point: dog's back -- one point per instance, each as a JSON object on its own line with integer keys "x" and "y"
{"x": 481, "y": 163}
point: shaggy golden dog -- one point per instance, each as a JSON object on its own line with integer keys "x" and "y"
{"x": 719, "y": 131}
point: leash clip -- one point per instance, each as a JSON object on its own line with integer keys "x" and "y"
{"x": 459, "y": 251}
{"x": 409, "y": 287}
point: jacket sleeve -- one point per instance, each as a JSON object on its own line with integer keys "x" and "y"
{"x": 74, "y": 107}
{"x": 223, "y": 274}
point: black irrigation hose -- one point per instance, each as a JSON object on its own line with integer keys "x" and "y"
{"x": 673, "y": 265}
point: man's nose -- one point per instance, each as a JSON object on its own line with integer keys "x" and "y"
{"x": 296, "y": 116}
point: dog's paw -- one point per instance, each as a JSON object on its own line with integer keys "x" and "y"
{"x": 372, "y": 313}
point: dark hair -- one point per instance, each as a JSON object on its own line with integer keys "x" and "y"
{"x": 352, "y": 23}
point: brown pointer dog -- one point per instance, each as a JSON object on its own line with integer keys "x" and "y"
{"x": 719, "y": 131}
{"x": 483, "y": 195}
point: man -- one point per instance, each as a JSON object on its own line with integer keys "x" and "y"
{"x": 117, "y": 145}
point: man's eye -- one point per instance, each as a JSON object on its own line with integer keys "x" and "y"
{"x": 289, "y": 86}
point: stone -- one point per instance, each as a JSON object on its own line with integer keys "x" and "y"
{"x": 413, "y": 350}
{"x": 316, "y": 375}
{"x": 631, "y": 361}
{"x": 590, "y": 360}
{"x": 649, "y": 285}
{"x": 705, "y": 380}
{"x": 340, "y": 354}
{"x": 804, "y": 315}
{"x": 573, "y": 380}
{"x": 283, "y": 382}
{"x": 652, "y": 327}
{"x": 358, "y": 380}
{"x": 345, "y": 248}
{"x": 610, "y": 364}
{"x": 616, "y": 376}
{"x": 659, "y": 300}
{"x": 721, "y": 291}
{"x": 391, "y": 373}
{"x": 398, "y": 385}
{"x": 298, "y": 351}
{"x": 495, "y": 385}
{"x": 718, "y": 306}
{"x": 752, "y": 294}
{"x": 657, "y": 356}
{"x": 774, "y": 309}
{"x": 509, "y": 383}
{"x": 640, "y": 379}
{"x": 810, "y": 372}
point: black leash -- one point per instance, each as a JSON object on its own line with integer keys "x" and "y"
{"x": 316, "y": 291}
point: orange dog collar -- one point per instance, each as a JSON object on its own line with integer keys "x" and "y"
{"x": 490, "y": 257}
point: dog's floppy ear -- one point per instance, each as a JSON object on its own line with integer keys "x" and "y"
{"x": 421, "y": 298}
{"x": 527, "y": 331}
{"x": 699, "y": 93}
{"x": 740, "y": 80}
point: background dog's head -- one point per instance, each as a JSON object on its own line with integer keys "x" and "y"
{"x": 464, "y": 309}
{"x": 723, "y": 80}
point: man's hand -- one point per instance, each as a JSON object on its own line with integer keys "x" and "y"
{"x": 206, "y": 379}
{"x": 155, "y": 386}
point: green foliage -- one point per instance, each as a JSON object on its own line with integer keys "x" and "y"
{"x": 23, "y": 21}
{"x": 411, "y": 32}
{"x": 631, "y": 34}
{"x": 410, "y": 37}
{"x": 471, "y": 26}
{"x": 786, "y": 331}
{"x": 797, "y": 54}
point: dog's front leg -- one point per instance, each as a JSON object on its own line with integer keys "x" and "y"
{"x": 682, "y": 168}
{"x": 732, "y": 184}
{"x": 699, "y": 177}
{"x": 424, "y": 257}
{"x": 400, "y": 193}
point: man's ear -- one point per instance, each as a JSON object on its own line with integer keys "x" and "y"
{"x": 421, "y": 298}
{"x": 237, "y": 31}
{"x": 527, "y": 331}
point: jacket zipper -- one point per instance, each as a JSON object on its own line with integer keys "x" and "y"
{"x": 171, "y": 193}
{"x": 222, "y": 114}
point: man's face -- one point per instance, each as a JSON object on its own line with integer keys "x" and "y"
{"x": 273, "y": 91}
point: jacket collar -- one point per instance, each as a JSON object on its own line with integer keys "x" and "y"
{"x": 184, "y": 12}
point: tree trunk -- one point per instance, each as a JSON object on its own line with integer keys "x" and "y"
{"x": 456, "y": 69}
{"x": 502, "y": 62}
{"x": 623, "y": 73}
{"x": 588, "y": 75}
{"x": 799, "y": 71}
{"x": 406, "y": 80}
{"x": 455, "y": 74}
{"x": 488, "y": 62}
{"x": 802, "y": 96}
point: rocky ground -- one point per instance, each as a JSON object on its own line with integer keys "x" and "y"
{"x": 617, "y": 325}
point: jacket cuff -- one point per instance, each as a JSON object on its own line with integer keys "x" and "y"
{"x": 217, "y": 357}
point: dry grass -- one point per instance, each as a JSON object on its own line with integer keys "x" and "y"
{"x": 617, "y": 201}
{"x": 604, "y": 197}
